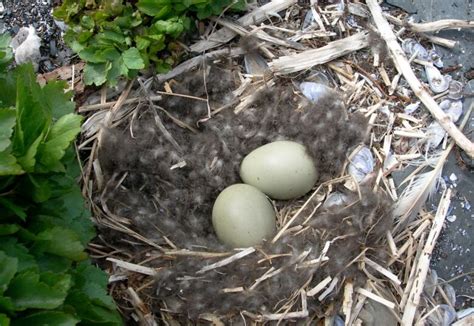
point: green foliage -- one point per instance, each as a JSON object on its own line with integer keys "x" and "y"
{"x": 119, "y": 37}
{"x": 45, "y": 276}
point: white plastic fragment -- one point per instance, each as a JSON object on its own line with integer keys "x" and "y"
{"x": 361, "y": 164}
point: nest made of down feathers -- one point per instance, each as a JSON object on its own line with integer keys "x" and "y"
{"x": 169, "y": 202}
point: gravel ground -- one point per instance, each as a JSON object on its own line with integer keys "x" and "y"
{"x": 15, "y": 14}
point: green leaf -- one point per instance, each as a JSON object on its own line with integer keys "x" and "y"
{"x": 87, "y": 22}
{"x": 132, "y": 59}
{"x": 62, "y": 242}
{"x": 14, "y": 208}
{"x": 14, "y": 249}
{"x": 6, "y": 305}
{"x": 173, "y": 27}
{"x": 9, "y": 165}
{"x": 35, "y": 187}
{"x": 93, "y": 282}
{"x": 142, "y": 43}
{"x": 8, "y": 270}
{"x": 47, "y": 318}
{"x": 56, "y": 99}
{"x": 91, "y": 313}
{"x": 7, "y": 229}
{"x": 6, "y": 53}
{"x": 62, "y": 133}
{"x": 52, "y": 263}
{"x": 30, "y": 290}
{"x": 96, "y": 73}
{"x": 155, "y": 8}
{"x": 99, "y": 54}
{"x": 118, "y": 69}
{"x": 33, "y": 117}
{"x": 4, "y": 320}
{"x": 7, "y": 122}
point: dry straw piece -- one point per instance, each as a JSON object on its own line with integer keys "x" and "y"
{"x": 157, "y": 156}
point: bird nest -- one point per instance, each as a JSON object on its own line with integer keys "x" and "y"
{"x": 158, "y": 151}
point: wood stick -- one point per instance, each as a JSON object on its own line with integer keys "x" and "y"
{"x": 133, "y": 267}
{"x": 403, "y": 66}
{"x": 258, "y": 15}
{"x": 424, "y": 261}
{"x": 307, "y": 59}
{"x": 438, "y": 25}
{"x": 435, "y": 26}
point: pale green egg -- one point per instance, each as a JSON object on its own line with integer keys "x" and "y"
{"x": 243, "y": 216}
{"x": 281, "y": 169}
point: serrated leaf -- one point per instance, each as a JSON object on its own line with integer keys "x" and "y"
{"x": 93, "y": 282}
{"x": 91, "y": 313}
{"x": 33, "y": 117}
{"x": 30, "y": 290}
{"x": 6, "y": 53}
{"x": 56, "y": 99}
{"x": 52, "y": 263}
{"x": 7, "y": 122}
{"x": 8, "y": 270}
{"x": 62, "y": 133}
{"x": 69, "y": 211}
{"x": 96, "y": 73}
{"x": 47, "y": 318}
{"x": 118, "y": 69}
{"x": 132, "y": 59}
{"x": 99, "y": 54}
{"x": 14, "y": 249}
{"x": 62, "y": 242}
{"x": 9, "y": 165}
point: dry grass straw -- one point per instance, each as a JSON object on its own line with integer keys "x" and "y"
{"x": 370, "y": 86}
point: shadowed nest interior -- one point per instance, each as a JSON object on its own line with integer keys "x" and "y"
{"x": 171, "y": 204}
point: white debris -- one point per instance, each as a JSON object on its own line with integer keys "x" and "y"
{"x": 26, "y": 46}
{"x": 314, "y": 91}
{"x": 451, "y": 218}
{"x": 437, "y": 81}
{"x": 410, "y": 108}
{"x": 453, "y": 177}
{"x": 361, "y": 164}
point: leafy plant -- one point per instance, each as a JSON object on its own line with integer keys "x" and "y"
{"x": 119, "y": 38}
{"x": 45, "y": 276}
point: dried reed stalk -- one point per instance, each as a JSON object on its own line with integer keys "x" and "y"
{"x": 423, "y": 264}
